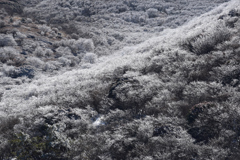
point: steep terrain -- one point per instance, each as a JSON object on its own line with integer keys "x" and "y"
{"x": 173, "y": 96}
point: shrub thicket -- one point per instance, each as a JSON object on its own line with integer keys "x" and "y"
{"x": 169, "y": 98}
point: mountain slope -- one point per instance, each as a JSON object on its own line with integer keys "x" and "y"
{"x": 174, "y": 96}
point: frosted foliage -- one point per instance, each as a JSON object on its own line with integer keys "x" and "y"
{"x": 7, "y": 40}
{"x": 8, "y": 53}
{"x": 171, "y": 96}
{"x": 48, "y": 53}
{"x": 8, "y": 69}
{"x": 89, "y": 58}
{"x": 20, "y": 35}
{"x": 44, "y": 28}
{"x": 62, "y": 51}
{"x": 36, "y": 62}
{"x": 152, "y": 12}
{"x": 84, "y": 44}
{"x": 64, "y": 61}
{"x": 129, "y": 17}
{"x": 39, "y": 52}
{"x": 77, "y": 46}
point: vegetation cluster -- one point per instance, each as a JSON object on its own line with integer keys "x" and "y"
{"x": 175, "y": 96}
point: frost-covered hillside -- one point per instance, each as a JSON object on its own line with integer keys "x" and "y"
{"x": 114, "y": 24}
{"x": 172, "y": 96}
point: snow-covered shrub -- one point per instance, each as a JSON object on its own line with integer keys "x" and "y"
{"x": 9, "y": 53}
{"x": 89, "y": 58}
{"x": 29, "y": 45}
{"x": 7, "y": 125}
{"x": 85, "y": 45}
{"x": 8, "y": 70}
{"x": 152, "y": 12}
{"x": 206, "y": 42}
{"x": 7, "y": 40}
{"x": 17, "y": 61}
{"x": 134, "y": 17}
{"x": 48, "y": 52}
{"x": 39, "y": 146}
{"x": 39, "y": 52}
{"x": 51, "y": 66}
{"x": 88, "y": 11}
{"x": 44, "y": 29}
{"x": 63, "y": 51}
{"x": 214, "y": 123}
{"x": 197, "y": 92}
{"x": 229, "y": 75}
{"x": 145, "y": 131}
{"x": 28, "y": 20}
{"x": 17, "y": 23}
{"x": 56, "y": 30}
{"x": 75, "y": 60}
{"x": 52, "y": 34}
{"x": 64, "y": 61}
{"x": 81, "y": 45}
{"x": 42, "y": 21}
{"x": 20, "y": 35}
{"x": 64, "y": 43}
{"x": 2, "y": 24}
{"x": 14, "y": 72}
{"x": 36, "y": 62}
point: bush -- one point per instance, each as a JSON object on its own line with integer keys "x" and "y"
{"x": 24, "y": 146}
{"x": 152, "y": 12}
{"x": 29, "y": 45}
{"x": 64, "y": 61}
{"x": 7, "y": 40}
{"x": 197, "y": 92}
{"x": 36, "y": 62}
{"x": 52, "y": 65}
{"x": 11, "y": 56}
{"x": 20, "y": 35}
{"x": 210, "y": 122}
{"x": 17, "y": 23}
{"x": 27, "y": 71}
{"x": 8, "y": 124}
{"x": 81, "y": 45}
{"x": 206, "y": 42}
{"x": 44, "y": 28}
{"x": 39, "y": 52}
{"x": 63, "y": 51}
{"x": 89, "y": 58}
{"x": 85, "y": 45}
{"x": 29, "y": 20}
{"x": 2, "y": 24}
